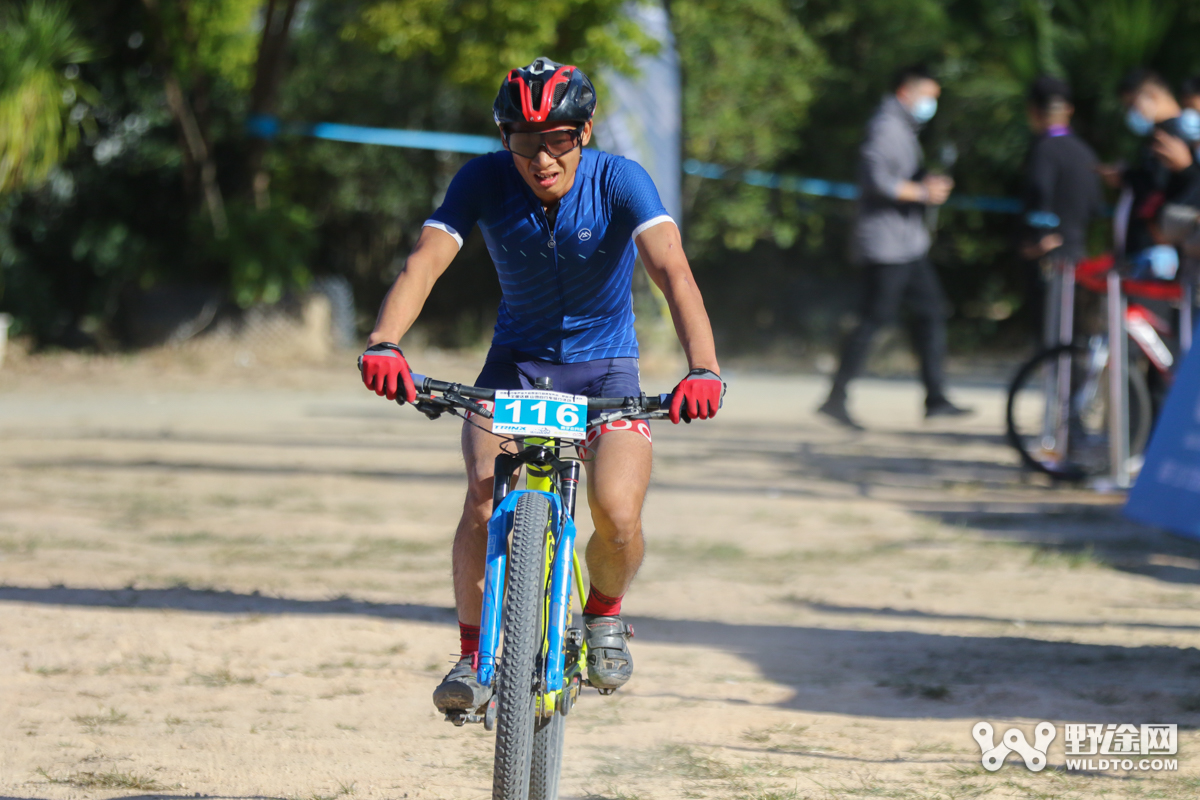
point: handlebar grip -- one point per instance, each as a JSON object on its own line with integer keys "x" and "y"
{"x": 419, "y": 381}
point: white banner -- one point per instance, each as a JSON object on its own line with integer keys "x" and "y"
{"x": 641, "y": 116}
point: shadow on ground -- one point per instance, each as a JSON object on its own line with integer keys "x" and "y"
{"x": 1081, "y": 531}
{"x": 862, "y": 672}
{"x": 183, "y": 598}
{"x": 910, "y": 674}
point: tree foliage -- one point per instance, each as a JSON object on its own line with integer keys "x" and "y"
{"x": 477, "y": 41}
{"x": 167, "y": 188}
{"x": 741, "y": 111}
{"x": 39, "y": 87}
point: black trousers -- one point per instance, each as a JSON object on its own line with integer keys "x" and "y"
{"x": 887, "y": 287}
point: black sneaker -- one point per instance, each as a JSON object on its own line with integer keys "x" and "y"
{"x": 609, "y": 663}
{"x": 944, "y": 408}
{"x": 460, "y": 690}
{"x": 836, "y": 411}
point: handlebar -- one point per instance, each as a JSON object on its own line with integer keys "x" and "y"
{"x": 463, "y": 396}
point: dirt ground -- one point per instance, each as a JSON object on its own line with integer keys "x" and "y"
{"x": 230, "y": 581}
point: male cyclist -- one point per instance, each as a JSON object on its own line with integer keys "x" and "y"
{"x": 563, "y": 225}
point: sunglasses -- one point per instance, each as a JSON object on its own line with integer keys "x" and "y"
{"x": 555, "y": 143}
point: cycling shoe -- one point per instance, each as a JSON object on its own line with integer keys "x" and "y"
{"x": 609, "y": 663}
{"x": 460, "y": 690}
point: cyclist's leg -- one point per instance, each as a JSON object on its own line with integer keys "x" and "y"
{"x": 480, "y": 448}
{"x": 470, "y": 539}
{"x": 460, "y": 690}
{"x": 618, "y": 476}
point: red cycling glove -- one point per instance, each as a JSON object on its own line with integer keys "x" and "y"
{"x": 698, "y": 396}
{"x": 386, "y": 373}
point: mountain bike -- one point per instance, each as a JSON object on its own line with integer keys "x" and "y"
{"x": 1057, "y": 415}
{"x": 528, "y": 652}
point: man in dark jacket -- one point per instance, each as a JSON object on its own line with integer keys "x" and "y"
{"x": 1062, "y": 191}
{"x": 892, "y": 239}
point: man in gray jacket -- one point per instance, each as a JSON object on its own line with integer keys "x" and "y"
{"x": 892, "y": 239}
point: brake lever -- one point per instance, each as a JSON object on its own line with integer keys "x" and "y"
{"x": 431, "y": 406}
{"x": 470, "y": 405}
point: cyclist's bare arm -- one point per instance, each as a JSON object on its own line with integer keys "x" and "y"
{"x": 428, "y": 260}
{"x": 661, "y": 250}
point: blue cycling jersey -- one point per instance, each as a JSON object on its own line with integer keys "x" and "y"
{"x": 567, "y": 292}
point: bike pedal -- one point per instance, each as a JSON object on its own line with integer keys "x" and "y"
{"x": 460, "y": 718}
{"x": 606, "y": 692}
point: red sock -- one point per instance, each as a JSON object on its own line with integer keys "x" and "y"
{"x": 468, "y": 637}
{"x": 601, "y": 604}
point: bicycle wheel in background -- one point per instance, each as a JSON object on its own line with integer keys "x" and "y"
{"x": 515, "y": 673}
{"x": 547, "y": 757}
{"x": 1036, "y": 423}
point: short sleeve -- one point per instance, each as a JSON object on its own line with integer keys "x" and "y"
{"x": 636, "y": 199}
{"x": 461, "y": 207}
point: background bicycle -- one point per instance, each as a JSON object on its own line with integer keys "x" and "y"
{"x": 1058, "y": 408}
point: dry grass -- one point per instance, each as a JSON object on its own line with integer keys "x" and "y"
{"x": 104, "y": 780}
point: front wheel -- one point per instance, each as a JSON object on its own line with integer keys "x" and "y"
{"x": 547, "y": 757}
{"x": 1058, "y": 412}
{"x": 516, "y": 673}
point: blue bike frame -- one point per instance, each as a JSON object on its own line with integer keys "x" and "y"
{"x": 499, "y": 527}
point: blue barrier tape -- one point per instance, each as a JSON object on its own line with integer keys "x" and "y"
{"x": 843, "y": 191}
{"x": 268, "y": 127}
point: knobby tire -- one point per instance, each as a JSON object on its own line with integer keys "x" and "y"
{"x": 515, "y": 676}
{"x": 547, "y": 757}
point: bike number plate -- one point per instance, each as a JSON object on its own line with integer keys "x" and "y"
{"x": 548, "y": 415}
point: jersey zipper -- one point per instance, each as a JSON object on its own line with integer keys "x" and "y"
{"x": 553, "y": 243}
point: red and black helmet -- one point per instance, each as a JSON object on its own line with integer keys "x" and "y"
{"x": 545, "y": 92}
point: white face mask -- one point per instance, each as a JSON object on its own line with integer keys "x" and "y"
{"x": 923, "y": 108}
{"x": 1137, "y": 122}
{"x": 1189, "y": 124}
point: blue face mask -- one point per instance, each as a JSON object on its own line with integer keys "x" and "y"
{"x": 923, "y": 108}
{"x": 1189, "y": 125}
{"x": 1137, "y": 123}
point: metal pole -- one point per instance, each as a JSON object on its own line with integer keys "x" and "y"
{"x": 1065, "y": 271}
{"x": 1052, "y": 303}
{"x": 1052, "y": 416}
{"x": 1118, "y": 385}
{"x": 1066, "y": 313}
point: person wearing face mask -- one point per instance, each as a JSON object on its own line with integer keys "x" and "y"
{"x": 1189, "y": 96}
{"x": 1189, "y": 128}
{"x": 1165, "y": 171}
{"x": 892, "y": 240}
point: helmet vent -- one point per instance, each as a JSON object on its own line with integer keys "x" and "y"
{"x": 535, "y": 93}
{"x": 560, "y": 92}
